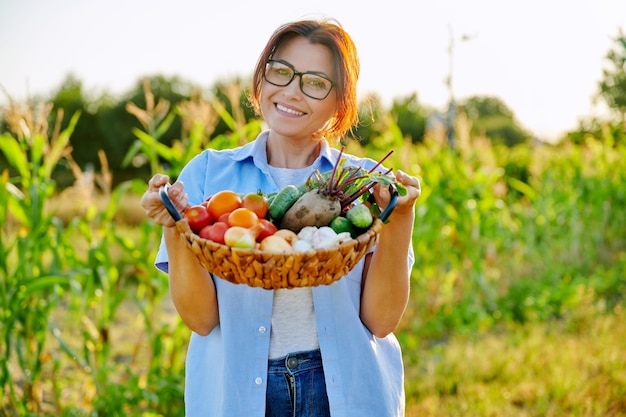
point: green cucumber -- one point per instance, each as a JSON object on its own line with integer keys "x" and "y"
{"x": 270, "y": 198}
{"x": 360, "y": 216}
{"x": 284, "y": 199}
{"x": 303, "y": 189}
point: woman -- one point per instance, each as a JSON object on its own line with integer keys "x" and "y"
{"x": 319, "y": 351}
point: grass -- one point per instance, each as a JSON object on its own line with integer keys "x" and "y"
{"x": 571, "y": 367}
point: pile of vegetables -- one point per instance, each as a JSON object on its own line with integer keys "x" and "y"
{"x": 329, "y": 209}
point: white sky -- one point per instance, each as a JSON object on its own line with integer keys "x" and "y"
{"x": 543, "y": 58}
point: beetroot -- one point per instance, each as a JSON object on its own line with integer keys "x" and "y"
{"x": 331, "y": 193}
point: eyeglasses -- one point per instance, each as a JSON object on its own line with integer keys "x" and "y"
{"x": 312, "y": 84}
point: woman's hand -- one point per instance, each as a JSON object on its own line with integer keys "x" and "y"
{"x": 151, "y": 201}
{"x": 405, "y": 203}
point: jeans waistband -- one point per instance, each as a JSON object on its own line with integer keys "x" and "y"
{"x": 297, "y": 361}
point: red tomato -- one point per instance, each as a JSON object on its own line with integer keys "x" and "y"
{"x": 197, "y": 217}
{"x": 223, "y": 202}
{"x": 243, "y": 217}
{"x": 257, "y": 202}
{"x": 268, "y": 229}
{"x": 224, "y": 217}
{"x": 214, "y": 232}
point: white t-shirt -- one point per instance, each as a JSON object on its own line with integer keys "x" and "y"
{"x": 293, "y": 316}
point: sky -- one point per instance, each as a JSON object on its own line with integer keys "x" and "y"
{"x": 542, "y": 58}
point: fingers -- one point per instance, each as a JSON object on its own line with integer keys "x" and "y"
{"x": 179, "y": 196}
{"x": 408, "y": 180}
{"x": 158, "y": 181}
{"x": 152, "y": 204}
{"x": 413, "y": 185}
{"x": 177, "y": 189}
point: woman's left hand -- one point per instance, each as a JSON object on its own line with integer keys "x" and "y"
{"x": 406, "y": 203}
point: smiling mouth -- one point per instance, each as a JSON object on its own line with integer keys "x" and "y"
{"x": 288, "y": 110}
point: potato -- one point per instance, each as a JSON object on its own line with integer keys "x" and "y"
{"x": 312, "y": 209}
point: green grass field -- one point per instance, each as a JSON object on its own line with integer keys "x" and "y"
{"x": 569, "y": 367}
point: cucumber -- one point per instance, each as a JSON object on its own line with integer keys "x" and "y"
{"x": 270, "y": 198}
{"x": 303, "y": 189}
{"x": 360, "y": 216}
{"x": 284, "y": 199}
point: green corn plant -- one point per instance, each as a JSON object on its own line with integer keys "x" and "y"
{"x": 199, "y": 118}
{"x": 572, "y": 209}
{"x": 31, "y": 270}
{"x": 494, "y": 243}
{"x": 113, "y": 262}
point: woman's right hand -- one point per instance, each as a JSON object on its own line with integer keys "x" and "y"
{"x": 151, "y": 200}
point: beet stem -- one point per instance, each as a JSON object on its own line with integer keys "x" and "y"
{"x": 332, "y": 176}
{"x": 381, "y": 161}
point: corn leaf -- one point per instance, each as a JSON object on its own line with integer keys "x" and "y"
{"x": 56, "y": 153}
{"x": 15, "y": 155}
{"x": 161, "y": 149}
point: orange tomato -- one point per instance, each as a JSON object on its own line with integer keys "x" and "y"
{"x": 256, "y": 202}
{"x": 243, "y": 217}
{"x": 223, "y": 202}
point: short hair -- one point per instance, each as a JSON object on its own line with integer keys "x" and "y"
{"x": 328, "y": 33}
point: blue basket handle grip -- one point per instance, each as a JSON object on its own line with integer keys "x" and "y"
{"x": 392, "y": 203}
{"x": 167, "y": 202}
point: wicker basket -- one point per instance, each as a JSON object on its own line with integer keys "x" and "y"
{"x": 278, "y": 270}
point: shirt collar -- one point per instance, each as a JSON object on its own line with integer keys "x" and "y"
{"x": 258, "y": 151}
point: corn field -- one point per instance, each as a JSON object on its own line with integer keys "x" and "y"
{"x": 503, "y": 238}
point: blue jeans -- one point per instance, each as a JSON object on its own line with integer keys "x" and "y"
{"x": 296, "y": 387}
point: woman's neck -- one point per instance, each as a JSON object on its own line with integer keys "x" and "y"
{"x": 283, "y": 154}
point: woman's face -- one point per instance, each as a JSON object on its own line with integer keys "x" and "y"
{"x": 287, "y": 110}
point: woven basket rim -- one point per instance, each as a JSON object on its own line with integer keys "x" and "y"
{"x": 270, "y": 269}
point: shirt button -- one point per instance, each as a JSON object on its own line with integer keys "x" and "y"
{"x": 262, "y": 329}
{"x": 258, "y": 380}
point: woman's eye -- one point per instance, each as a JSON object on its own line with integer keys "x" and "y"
{"x": 283, "y": 72}
{"x": 317, "y": 83}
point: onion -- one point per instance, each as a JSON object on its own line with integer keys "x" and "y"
{"x": 240, "y": 237}
{"x": 275, "y": 244}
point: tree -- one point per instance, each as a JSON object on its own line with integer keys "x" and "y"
{"x": 406, "y": 114}
{"x": 613, "y": 84}
{"x": 410, "y": 117}
{"x": 492, "y": 118}
{"x": 87, "y": 138}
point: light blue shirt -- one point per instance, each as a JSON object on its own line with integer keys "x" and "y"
{"x": 226, "y": 370}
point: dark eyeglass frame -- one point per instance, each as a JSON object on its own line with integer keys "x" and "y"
{"x": 300, "y": 74}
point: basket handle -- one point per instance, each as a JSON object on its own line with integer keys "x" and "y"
{"x": 167, "y": 202}
{"x": 392, "y": 203}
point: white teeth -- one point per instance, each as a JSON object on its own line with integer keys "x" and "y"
{"x": 285, "y": 109}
